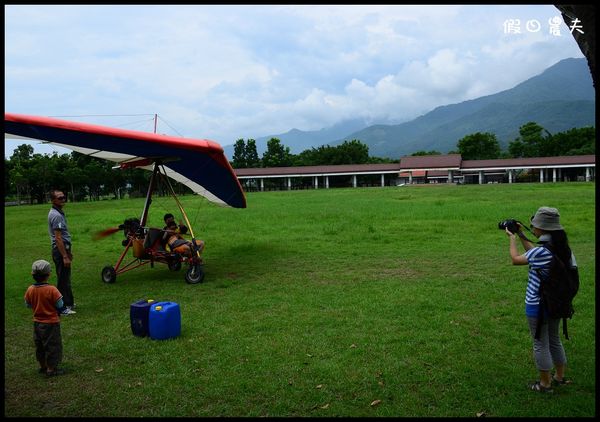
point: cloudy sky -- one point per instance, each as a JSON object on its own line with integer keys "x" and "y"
{"x": 227, "y": 72}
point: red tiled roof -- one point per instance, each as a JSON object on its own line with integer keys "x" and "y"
{"x": 431, "y": 161}
{"x": 415, "y": 173}
{"x": 433, "y": 164}
{"x": 318, "y": 170}
{"x": 533, "y": 161}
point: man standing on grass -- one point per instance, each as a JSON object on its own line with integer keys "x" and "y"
{"x": 60, "y": 239}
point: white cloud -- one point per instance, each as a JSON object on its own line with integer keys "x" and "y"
{"x": 228, "y": 72}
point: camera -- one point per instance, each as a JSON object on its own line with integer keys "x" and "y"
{"x": 510, "y": 224}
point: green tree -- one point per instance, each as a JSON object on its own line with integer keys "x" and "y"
{"x": 252, "y": 160}
{"x": 116, "y": 180}
{"x": 42, "y": 177}
{"x": 276, "y": 155}
{"x": 239, "y": 154}
{"x": 479, "y": 146}
{"x": 33, "y": 175}
{"x": 432, "y": 152}
{"x": 7, "y": 182}
{"x": 96, "y": 175}
{"x": 23, "y": 153}
{"x": 531, "y": 142}
{"x": 381, "y": 160}
{"x": 19, "y": 181}
{"x": 305, "y": 158}
{"x": 351, "y": 152}
{"x": 138, "y": 180}
{"x": 575, "y": 141}
{"x": 315, "y": 156}
{"x": 75, "y": 181}
{"x": 17, "y": 171}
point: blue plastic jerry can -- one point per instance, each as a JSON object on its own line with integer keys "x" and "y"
{"x": 138, "y": 313}
{"x": 164, "y": 320}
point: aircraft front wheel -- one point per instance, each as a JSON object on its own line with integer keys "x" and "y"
{"x": 109, "y": 275}
{"x": 195, "y": 274}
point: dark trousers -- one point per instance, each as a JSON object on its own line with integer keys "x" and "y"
{"x": 48, "y": 344}
{"x": 64, "y": 276}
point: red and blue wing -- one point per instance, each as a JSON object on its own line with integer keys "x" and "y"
{"x": 199, "y": 164}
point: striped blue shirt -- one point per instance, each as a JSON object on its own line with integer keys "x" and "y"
{"x": 539, "y": 260}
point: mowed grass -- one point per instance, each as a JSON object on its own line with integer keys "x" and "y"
{"x": 340, "y": 302}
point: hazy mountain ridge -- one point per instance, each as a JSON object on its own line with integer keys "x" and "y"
{"x": 505, "y": 119}
{"x": 560, "y": 98}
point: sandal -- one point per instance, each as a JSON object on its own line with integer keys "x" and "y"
{"x": 537, "y": 386}
{"x": 563, "y": 381}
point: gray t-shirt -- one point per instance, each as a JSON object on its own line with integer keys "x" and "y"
{"x": 58, "y": 221}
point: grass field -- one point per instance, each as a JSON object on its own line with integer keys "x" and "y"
{"x": 340, "y": 302}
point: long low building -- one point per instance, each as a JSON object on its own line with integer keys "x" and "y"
{"x": 450, "y": 168}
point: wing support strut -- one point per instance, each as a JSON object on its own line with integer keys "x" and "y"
{"x": 149, "y": 195}
{"x": 187, "y": 221}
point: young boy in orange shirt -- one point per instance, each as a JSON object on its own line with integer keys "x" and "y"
{"x": 46, "y": 302}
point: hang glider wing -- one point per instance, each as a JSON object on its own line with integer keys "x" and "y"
{"x": 199, "y": 164}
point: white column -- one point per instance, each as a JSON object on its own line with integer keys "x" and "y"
{"x": 382, "y": 180}
{"x": 554, "y": 174}
{"x": 541, "y": 175}
{"x": 481, "y": 177}
{"x": 410, "y": 177}
{"x": 450, "y": 179}
{"x": 354, "y": 180}
{"x": 326, "y": 182}
{"x": 587, "y": 174}
{"x": 316, "y": 182}
{"x": 262, "y": 184}
{"x": 510, "y": 176}
{"x": 289, "y": 183}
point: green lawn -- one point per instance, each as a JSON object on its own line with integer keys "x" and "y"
{"x": 315, "y": 303}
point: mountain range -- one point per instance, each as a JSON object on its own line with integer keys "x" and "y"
{"x": 560, "y": 98}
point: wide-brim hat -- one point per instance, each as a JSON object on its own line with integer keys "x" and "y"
{"x": 546, "y": 218}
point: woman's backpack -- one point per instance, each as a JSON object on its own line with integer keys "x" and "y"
{"x": 557, "y": 290}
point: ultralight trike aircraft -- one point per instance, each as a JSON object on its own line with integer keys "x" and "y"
{"x": 199, "y": 164}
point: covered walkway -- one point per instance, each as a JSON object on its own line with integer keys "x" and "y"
{"x": 449, "y": 168}
{"x": 316, "y": 176}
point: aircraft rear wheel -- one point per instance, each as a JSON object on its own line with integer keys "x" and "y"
{"x": 109, "y": 275}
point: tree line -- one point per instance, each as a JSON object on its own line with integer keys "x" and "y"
{"x": 533, "y": 141}
{"x": 279, "y": 155}
{"x": 29, "y": 176}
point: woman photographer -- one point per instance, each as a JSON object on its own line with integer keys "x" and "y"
{"x": 548, "y": 349}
